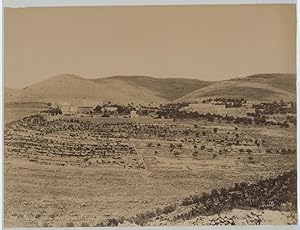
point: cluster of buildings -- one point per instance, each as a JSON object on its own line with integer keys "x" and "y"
{"x": 91, "y": 108}
{"x": 70, "y": 109}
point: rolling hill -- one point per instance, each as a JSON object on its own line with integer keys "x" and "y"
{"x": 167, "y": 88}
{"x": 119, "y": 89}
{"x": 260, "y": 87}
{"x": 144, "y": 90}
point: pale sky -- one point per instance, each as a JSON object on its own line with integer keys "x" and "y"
{"x": 202, "y": 42}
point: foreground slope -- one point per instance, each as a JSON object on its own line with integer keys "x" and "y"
{"x": 75, "y": 184}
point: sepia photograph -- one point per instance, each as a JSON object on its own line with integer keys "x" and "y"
{"x": 131, "y": 116}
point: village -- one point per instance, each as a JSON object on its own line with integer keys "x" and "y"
{"x": 106, "y": 134}
{"x": 237, "y": 110}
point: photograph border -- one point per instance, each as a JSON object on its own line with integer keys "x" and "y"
{"x": 62, "y": 3}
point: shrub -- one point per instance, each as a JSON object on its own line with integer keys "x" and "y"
{"x": 84, "y": 225}
{"x": 100, "y": 224}
{"x": 70, "y": 224}
{"x": 187, "y": 201}
{"x": 169, "y": 208}
{"x": 112, "y": 222}
{"x": 159, "y": 211}
{"x": 214, "y": 193}
{"x": 176, "y": 153}
{"x": 45, "y": 225}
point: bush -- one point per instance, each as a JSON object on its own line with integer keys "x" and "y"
{"x": 100, "y": 224}
{"x": 187, "y": 201}
{"x": 112, "y": 222}
{"x": 45, "y": 225}
{"x": 169, "y": 208}
{"x": 176, "y": 153}
{"x": 70, "y": 224}
{"x": 159, "y": 211}
{"x": 84, "y": 225}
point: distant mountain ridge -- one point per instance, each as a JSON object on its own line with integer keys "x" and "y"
{"x": 144, "y": 89}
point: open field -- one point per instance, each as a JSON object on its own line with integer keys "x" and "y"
{"x": 15, "y": 111}
{"x": 64, "y": 171}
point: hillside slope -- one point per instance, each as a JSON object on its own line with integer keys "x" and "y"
{"x": 144, "y": 90}
{"x": 261, "y": 87}
{"x": 121, "y": 90}
{"x": 167, "y": 88}
{"x": 73, "y": 89}
{"x": 10, "y": 94}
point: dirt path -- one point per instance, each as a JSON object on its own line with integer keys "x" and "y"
{"x": 140, "y": 155}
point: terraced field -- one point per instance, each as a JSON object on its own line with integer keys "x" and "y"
{"x": 119, "y": 168}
